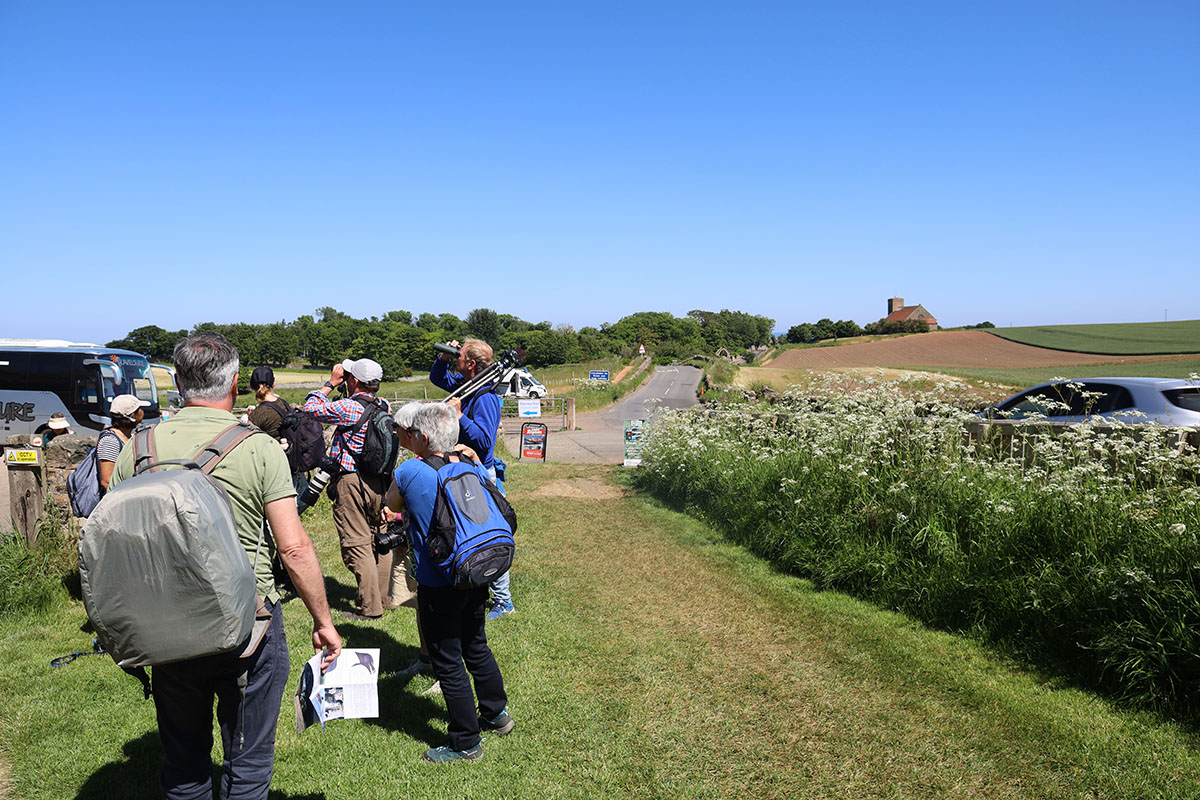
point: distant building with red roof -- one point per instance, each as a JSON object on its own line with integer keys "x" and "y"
{"x": 898, "y": 312}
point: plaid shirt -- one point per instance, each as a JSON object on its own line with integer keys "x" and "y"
{"x": 344, "y": 414}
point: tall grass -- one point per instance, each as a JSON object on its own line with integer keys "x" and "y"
{"x": 33, "y": 578}
{"x": 1080, "y": 551}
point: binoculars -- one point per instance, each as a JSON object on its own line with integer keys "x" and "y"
{"x": 449, "y": 350}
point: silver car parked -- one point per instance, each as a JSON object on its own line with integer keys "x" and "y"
{"x": 1163, "y": 401}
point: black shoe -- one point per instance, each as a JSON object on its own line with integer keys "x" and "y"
{"x": 354, "y": 615}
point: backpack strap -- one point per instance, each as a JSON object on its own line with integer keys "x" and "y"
{"x": 282, "y": 406}
{"x": 363, "y": 419}
{"x": 437, "y": 462}
{"x": 145, "y": 454}
{"x": 212, "y": 453}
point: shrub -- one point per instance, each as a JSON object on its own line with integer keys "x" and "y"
{"x": 1078, "y": 550}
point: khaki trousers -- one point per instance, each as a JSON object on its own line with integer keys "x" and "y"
{"x": 403, "y": 588}
{"x": 356, "y": 515}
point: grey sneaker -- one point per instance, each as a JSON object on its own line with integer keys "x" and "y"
{"x": 416, "y": 667}
{"x": 444, "y": 755}
{"x": 501, "y": 724}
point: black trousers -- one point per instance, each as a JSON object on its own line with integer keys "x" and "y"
{"x": 453, "y": 622}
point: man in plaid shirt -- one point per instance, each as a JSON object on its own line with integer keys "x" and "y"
{"x": 357, "y": 499}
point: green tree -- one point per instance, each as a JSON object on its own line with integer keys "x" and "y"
{"x": 483, "y": 323}
{"x": 802, "y": 333}
{"x": 279, "y": 344}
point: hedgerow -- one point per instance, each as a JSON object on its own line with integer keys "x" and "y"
{"x": 1078, "y": 549}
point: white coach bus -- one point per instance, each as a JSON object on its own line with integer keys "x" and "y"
{"x": 39, "y": 377}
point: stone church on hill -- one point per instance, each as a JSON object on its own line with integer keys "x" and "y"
{"x": 898, "y": 312}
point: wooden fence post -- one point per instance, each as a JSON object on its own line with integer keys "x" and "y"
{"x": 25, "y": 493}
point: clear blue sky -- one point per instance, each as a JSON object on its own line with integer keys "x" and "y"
{"x": 171, "y": 163}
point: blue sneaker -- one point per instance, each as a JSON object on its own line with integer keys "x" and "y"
{"x": 445, "y": 755}
{"x": 500, "y": 610}
{"x": 501, "y": 724}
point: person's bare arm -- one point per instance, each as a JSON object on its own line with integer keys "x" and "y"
{"x": 300, "y": 558}
{"x": 393, "y": 498}
{"x": 467, "y": 451}
{"x": 106, "y": 471}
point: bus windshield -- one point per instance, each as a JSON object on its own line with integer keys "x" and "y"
{"x": 129, "y": 375}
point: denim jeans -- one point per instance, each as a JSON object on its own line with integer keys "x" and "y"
{"x": 183, "y": 698}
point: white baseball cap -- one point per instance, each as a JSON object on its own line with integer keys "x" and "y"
{"x": 124, "y": 405}
{"x": 364, "y": 370}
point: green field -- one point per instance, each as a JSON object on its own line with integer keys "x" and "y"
{"x": 650, "y": 657}
{"x": 1130, "y": 338}
{"x": 1029, "y": 376}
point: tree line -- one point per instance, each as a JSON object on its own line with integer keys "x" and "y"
{"x": 403, "y": 342}
{"x": 809, "y": 332}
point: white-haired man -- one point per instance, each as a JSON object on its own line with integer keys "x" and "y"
{"x": 248, "y": 689}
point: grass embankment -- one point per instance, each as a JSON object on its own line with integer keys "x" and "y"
{"x": 1130, "y": 338}
{"x": 1076, "y": 551}
{"x": 649, "y": 658}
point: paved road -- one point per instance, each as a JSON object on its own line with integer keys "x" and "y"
{"x": 600, "y": 438}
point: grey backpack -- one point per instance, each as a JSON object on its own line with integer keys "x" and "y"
{"x": 164, "y": 576}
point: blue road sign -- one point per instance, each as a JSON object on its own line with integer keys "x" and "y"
{"x": 598, "y": 374}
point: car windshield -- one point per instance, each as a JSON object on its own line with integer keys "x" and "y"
{"x": 1070, "y": 399}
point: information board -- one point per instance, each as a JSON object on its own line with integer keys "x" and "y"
{"x": 598, "y": 375}
{"x": 529, "y": 407}
{"x": 635, "y": 429}
{"x": 533, "y": 441}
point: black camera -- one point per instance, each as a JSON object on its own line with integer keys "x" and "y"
{"x": 396, "y": 535}
{"x": 316, "y": 484}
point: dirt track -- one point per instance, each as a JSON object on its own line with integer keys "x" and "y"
{"x": 944, "y": 349}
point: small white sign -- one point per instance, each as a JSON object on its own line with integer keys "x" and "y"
{"x": 529, "y": 407}
{"x": 23, "y": 457}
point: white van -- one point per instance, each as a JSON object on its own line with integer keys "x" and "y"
{"x": 518, "y": 382}
{"x": 41, "y": 377}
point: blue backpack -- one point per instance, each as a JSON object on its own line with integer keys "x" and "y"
{"x": 471, "y": 532}
{"x": 83, "y": 485}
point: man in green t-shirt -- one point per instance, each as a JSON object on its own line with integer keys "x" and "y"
{"x": 250, "y": 688}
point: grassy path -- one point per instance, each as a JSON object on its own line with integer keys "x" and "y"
{"x": 647, "y": 659}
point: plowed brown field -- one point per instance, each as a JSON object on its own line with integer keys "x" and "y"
{"x": 944, "y": 349}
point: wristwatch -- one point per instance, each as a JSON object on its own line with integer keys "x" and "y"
{"x": 330, "y": 385}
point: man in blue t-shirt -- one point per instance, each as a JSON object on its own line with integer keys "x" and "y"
{"x": 452, "y": 620}
{"x": 479, "y": 422}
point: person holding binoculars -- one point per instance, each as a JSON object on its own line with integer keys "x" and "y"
{"x": 357, "y": 498}
{"x": 478, "y": 424}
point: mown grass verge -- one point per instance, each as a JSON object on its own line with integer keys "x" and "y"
{"x": 1079, "y": 553}
{"x": 649, "y": 658}
{"x": 594, "y": 395}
